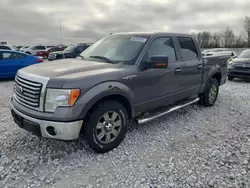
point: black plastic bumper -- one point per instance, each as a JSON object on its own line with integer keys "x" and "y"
{"x": 239, "y": 73}
{"x": 26, "y": 124}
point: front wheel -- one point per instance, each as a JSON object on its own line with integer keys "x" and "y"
{"x": 106, "y": 126}
{"x": 209, "y": 97}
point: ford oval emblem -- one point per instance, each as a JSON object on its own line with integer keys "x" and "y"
{"x": 19, "y": 89}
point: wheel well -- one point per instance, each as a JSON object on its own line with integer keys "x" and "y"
{"x": 217, "y": 76}
{"x": 123, "y": 100}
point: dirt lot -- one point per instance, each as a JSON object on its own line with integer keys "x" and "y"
{"x": 193, "y": 147}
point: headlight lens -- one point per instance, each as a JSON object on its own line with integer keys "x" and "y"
{"x": 60, "y": 97}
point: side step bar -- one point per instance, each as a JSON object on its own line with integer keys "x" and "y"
{"x": 174, "y": 108}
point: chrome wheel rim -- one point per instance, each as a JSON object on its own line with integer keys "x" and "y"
{"x": 108, "y": 127}
{"x": 213, "y": 93}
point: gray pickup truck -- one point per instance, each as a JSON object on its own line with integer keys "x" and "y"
{"x": 121, "y": 79}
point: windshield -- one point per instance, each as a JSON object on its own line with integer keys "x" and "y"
{"x": 245, "y": 54}
{"x": 70, "y": 48}
{"x": 117, "y": 48}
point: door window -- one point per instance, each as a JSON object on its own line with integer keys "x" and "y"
{"x": 11, "y": 56}
{"x": 79, "y": 49}
{"x": 162, "y": 46}
{"x": 40, "y": 48}
{"x": 188, "y": 48}
{"x": 5, "y": 48}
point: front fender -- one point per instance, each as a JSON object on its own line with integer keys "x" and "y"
{"x": 102, "y": 90}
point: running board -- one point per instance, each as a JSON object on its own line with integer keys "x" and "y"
{"x": 174, "y": 108}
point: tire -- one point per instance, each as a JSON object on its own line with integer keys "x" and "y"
{"x": 230, "y": 78}
{"x": 209, "y": 97}
{"x": 96, "y": 126}
{"x": 45, "y": 57}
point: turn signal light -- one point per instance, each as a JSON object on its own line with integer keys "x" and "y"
{"x": 74, "y": 94}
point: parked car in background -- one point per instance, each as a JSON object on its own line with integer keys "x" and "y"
{"x": 12, "y": 61}
{"x": 22, "y": 49}
{"x": 45, "y": 53}
{"x": 17, "y": 48}
{"x": 239, "y": 67}
{"x": 6, "y": 47}
{"x": 122, "y": 78}
{"x": 216, "y": 52}
{"x": 33, "y": 49}
{"x": 3, "y": 43}
{"x": 71, "y": 51}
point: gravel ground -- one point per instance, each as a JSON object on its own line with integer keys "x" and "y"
{"x": 193, "y": 147}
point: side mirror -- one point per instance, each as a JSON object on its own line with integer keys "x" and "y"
{"x": 156, "y": 62}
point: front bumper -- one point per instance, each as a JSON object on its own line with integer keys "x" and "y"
{"x": 47, "y": 129}
{"x": 239, "y": 73}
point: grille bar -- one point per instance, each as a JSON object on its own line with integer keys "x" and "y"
{"x": 26, "y": 98}
{"x": 27, "y": 86}
{"x": 31, "y": 83}
{"x": 27, "y": 92}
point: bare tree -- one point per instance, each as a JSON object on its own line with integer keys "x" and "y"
{"x": 204, "y": 39}
{"x": 228, "y": 38}
{"x": 247, "y": 30}
{"x": 239, "y": 42}
{"x": 216, "y": 40}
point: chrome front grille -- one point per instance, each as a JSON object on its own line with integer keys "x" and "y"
{"x": 27, "y": 92}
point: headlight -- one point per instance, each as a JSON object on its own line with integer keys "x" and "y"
{"x": 60, "y": 97}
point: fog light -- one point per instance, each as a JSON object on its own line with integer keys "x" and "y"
{"x": 51, "y": 131}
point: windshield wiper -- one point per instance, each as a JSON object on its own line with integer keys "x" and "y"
{"x": 102, "y": 58}
{"x": 81, "y": 56}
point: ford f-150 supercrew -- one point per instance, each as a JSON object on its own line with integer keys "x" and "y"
{"x": 121, "y": 79}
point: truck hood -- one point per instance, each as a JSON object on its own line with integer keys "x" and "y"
{"x": 70, "y": 68}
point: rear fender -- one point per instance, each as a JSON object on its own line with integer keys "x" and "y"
{"x": 214, "y": 70}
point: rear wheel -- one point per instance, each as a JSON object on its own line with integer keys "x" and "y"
{"x": 230, "y": 78}
{"x": 209, "y": 97}
{"x": 106, "y": 126}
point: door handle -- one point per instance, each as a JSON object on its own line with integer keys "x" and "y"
{"x": 178, "y": 70}
{"x": 199, "y": 66}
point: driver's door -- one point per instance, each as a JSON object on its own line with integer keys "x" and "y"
{"x": 156, "y": 87}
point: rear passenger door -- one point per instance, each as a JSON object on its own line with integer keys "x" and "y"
{"x": 193, "y": 66}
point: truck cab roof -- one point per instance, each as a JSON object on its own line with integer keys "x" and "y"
{"x": 152, "y": 34}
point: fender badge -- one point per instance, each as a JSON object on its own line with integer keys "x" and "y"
{"x": 130, "y": 77}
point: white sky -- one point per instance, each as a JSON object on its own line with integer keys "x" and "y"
{"x": 34, "y": 21}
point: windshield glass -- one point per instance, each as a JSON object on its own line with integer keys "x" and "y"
{"x": 117, "y": 48}
{"x": 245, "y": 54}
{"x": 70, "y": 48}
